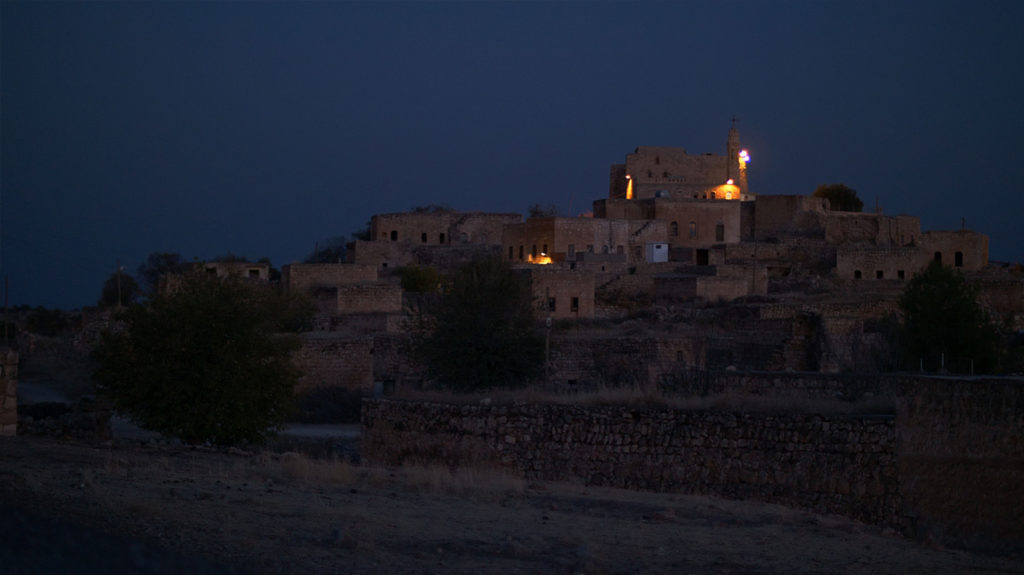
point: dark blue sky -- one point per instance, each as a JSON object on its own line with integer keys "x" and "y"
{"x": 257, "y": 129}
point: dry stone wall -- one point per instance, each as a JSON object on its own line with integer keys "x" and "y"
{"x": 948, "y": 467}
{"x": 831, "y": 464}
{"x": 328, "y": 359}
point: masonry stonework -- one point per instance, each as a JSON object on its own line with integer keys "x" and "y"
{"x": 334, "y": 360}
{"x": 301, "y": 278}
{"x": 831, "y": 464}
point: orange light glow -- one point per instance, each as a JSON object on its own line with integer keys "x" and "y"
{"x": 629, "y": 187}
{"x": 542, "y": 259}
{"x": 744, "y": 156}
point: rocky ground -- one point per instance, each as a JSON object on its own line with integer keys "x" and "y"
{"x": 128, "y": 507}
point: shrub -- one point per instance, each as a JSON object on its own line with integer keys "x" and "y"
{"x": 205, "y": 362}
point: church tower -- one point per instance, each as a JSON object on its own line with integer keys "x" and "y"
{"x": 736, "y": 161}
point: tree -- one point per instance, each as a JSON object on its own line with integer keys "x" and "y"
{"x": 156, "y": 266}
{"x": 942, "y": 318}
{"x": 480, "y": 332}
{"x": 841, "y": 198}
{"x": 119, "y": 289}
{"x": 420, "y": 279}
{"x": 205, "y": 361}
{"x": 542, "y": 211}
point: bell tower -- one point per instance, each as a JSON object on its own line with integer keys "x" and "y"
{"x": 736, "y": 160}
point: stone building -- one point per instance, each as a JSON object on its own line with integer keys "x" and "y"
{"x": 666, "y": 172}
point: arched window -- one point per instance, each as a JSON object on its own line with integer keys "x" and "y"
{"x": 423, "y": 237}
{"x": 674, "y": 229}
{"x": 958, "y": 259}
{"x": 693, "y": 230}
{"x": 394, "y": 235}
{"x": 938, "y": 257}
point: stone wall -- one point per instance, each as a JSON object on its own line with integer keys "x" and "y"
{"x": 301, "y": 278}
{"x": 369, "y": 298}
{"x": 696, "y": 221}
{"x": 948, "y": 467}
{"x": 8, "y": 392}
{"x": 561, "y": 293}
{"x": 333, "y": 360}
{"x": 831, "y": 464}
{"x": 844, "y": 228}
{"x": 778, "y": 217}
{"x": 441, "y": 228}
{"x": 878, "y": 263}
{"x": 961, "y": 460}
{"x": 963, "y": 249}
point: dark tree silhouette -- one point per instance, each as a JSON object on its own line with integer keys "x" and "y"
{"x": 205, "y": 361}
{"x": 481, "y": 331}
{"x": 842, "y": 198}
{"x": 942, "y": 318}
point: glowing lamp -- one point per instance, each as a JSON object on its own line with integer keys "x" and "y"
{"x": 628, "y": 177}
{"x": 744, "y": 157}
{"x": 728, "y": 182}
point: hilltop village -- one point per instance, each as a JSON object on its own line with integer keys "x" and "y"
{"x": 681, "y": 269}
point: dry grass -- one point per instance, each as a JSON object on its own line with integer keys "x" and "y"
{"x": 651, "y": 396}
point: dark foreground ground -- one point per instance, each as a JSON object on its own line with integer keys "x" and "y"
{"x": 72, "y": 508}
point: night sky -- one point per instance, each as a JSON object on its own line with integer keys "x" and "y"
{"x": 259, "y": 129}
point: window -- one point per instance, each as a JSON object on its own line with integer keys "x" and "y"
{"x": 702, "y": 257}
{"x": 673, "y": 229}
{"x": 551, "y": 304}
{"x": 533, "y": 251}
{"x": 574, "y": 306}
{"x": 520, "y": 252}
{"x": 254, "y": 273}
{"x": 511, "y": 252}
{"x": 938, "y": 257}
{"x": 720, "y": 233}
{"x": 441, "y": 239}
{"x": 900, "y": 274}
{"x": 604, "y": 249}
{"x": 212, "y": 270}
{"x": 693, "y": 230}
{"x": 879, "y": 275}
{"x": 423, "y": 237}
{"x": 958, "y": 259}
{"x": 572, "y": 251}
{"x": 394, "y": 235}
{"x": 856, "y": 274}
{"x": 464, "y": 238}
{"x": 544, "y": 249}
{"x": 713, "y": 195}
{"x": 620, "y": 249}
{"x": 590, "y": 248}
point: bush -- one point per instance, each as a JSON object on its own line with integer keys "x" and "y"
{"x": 205, "y": 362}
{"x": 480, "y": 332}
